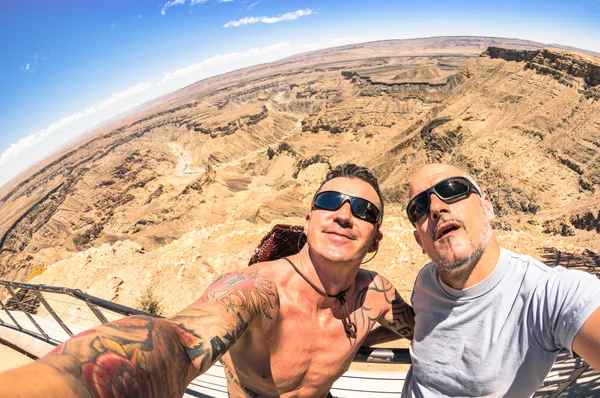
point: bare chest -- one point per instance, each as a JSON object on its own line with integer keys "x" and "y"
{"x": 301, "y": 356}
{"x": 310, "y": 347}
{"x": 304, "y": 348}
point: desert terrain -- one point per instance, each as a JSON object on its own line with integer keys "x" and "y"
{"x": 181, "y": 191}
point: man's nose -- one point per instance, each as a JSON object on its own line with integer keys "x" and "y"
{"x": 344, "y": 213}
{"x": 437, "y": 206}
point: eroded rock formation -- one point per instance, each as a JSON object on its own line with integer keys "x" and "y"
{"x": 251, "y": 146}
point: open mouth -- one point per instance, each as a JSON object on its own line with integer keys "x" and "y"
{"x": 446, "y": 229}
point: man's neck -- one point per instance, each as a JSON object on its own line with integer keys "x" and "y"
{"x": 471, "y": 274}
{"x": 330, "y": 277}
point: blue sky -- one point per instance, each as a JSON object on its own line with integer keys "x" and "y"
{"x": 66, "y": 66}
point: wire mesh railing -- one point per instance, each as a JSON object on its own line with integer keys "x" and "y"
{"x": 55, "y": 313}
{"x": 58, "y": 313}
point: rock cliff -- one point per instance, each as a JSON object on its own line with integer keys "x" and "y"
{"x": 561, "y": 65}
{"x": 250, "y": 147}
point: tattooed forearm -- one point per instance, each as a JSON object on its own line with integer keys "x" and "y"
{"x": 221, "y": 345}
{"x": 224, "y": 313}
{"x": 150, "y": 357}
{"x": 134, "y": 356}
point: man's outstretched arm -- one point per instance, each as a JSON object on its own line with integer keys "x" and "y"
{"x": 587, "y": 341}
{"x": 142, "y": 356}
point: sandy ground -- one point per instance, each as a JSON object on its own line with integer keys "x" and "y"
{"x": 10, "y": 358}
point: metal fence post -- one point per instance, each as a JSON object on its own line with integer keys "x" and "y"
{"x": 10, "y": 315}
{"x": 97, "y": 312}
{"x": 27, "y": 313}
{"x": 51, "y": 311}
{"x": 565, "y": 384}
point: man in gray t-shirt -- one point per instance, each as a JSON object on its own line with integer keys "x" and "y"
{"x": 488, "y": 322}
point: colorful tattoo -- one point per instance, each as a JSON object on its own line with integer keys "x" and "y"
{"x": 112, "y": 374}
{"x": 239, "y": 293}
{"x": 118, "y": 359}
{"x": 141, "y": 356}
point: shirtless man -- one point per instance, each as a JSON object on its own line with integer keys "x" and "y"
{"x": 287, "y": 328}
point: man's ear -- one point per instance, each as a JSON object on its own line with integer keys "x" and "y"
{"x": 306, "y": 221}
{"x": 488, "y": 208}
{"x": 418, "y": 239}
{"x": 376, "y": 240}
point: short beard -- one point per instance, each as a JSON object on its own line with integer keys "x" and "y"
{"x": 460, "y": 268}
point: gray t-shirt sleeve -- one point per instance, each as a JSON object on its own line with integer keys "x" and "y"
{"x": 562, "y": 305}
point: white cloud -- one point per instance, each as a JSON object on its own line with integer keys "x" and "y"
{"x": 253, "y": 4}
{"x": 225, "y": 1}
{"x": 30, "y": 66}
{"x": 223, "y": 59}
{"x": 169, "y": 4}
{"x": 290, "y": 16}
{"x": 34, "y": 139}
{"x": 131, "y": 91}
{"x": 36, "y": 146}
{"x": 172, "y": 3}
{"x": 77, "y": 123}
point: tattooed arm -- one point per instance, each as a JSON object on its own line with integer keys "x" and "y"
{"x": 149, "y": 357}
{"x": 397, "y": 321}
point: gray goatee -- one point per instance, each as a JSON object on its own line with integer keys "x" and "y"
{"x": 461, "y": 267}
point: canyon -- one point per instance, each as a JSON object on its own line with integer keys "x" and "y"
{"x": 182, "y": 190}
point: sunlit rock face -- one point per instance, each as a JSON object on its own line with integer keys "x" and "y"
{"x": 242, "y": 151}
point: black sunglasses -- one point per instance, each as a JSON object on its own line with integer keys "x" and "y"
{"x": 449, "y": 190}
{"x": 361, "y": 208}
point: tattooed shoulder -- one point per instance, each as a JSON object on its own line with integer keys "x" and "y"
{"x": 377, "y": 283}
{"x": 244, "y": 291}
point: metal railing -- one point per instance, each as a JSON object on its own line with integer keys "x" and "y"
{"x": 77, "y": 310}
{"x": 27, "y": 298}
{"x": 44, "y": 307}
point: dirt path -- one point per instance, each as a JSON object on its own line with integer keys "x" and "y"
{"x": 183, "y": 164}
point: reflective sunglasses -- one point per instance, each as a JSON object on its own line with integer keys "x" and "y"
{"x": 361, "y": 208}
{"x": 449, "y": 191}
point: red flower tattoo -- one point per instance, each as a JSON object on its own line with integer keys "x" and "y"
{"x": 112, "y": 375}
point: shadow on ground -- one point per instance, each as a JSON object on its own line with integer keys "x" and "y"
{"x": 585, "y": 386}
{"x": 586, "y": 261}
